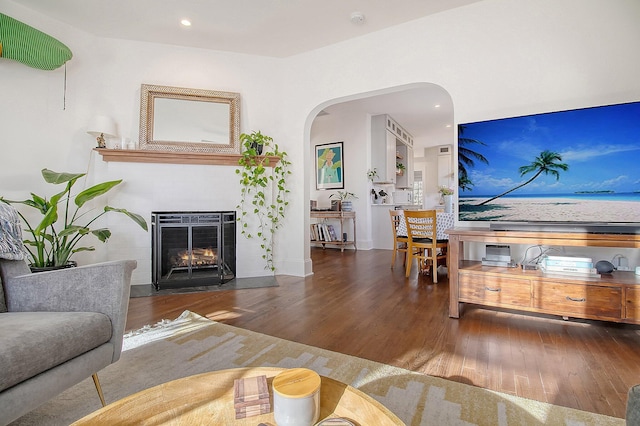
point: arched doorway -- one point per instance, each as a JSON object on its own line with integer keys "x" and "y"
{"x": 424, "y": 109}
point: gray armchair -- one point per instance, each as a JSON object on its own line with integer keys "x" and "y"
{"x": 57, "y": 328}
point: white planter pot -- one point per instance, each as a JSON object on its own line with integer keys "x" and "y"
{"x": 448, "y": 203}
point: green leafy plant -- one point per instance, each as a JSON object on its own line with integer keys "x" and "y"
{"x": 263, "y": 192}
{"x": 55, "y": 239}
{"x": 255, "y": 141}
{"x": 400, "y": 166}
{"x": 445, "y": 190}
{"x": 343, "y": 195}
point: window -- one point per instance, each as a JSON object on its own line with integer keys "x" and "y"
{"x": 417, "y": 188}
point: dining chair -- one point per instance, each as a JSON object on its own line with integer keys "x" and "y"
{"x": 399, "y": 241}
{"x": 422, "y": 242}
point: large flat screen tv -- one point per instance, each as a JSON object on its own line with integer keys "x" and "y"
{"x": 572, "y": 170}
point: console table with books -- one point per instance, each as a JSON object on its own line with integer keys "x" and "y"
{"x": 323, "y": 232}
{"x": 610, "y": 297}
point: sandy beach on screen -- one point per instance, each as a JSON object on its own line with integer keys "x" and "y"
{"x": 549, "y": 209}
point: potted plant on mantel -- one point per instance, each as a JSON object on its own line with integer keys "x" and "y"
{"x": 263, "y": 194}
{"x": 255, "y": 141}
{"x": 346, "y": 203}
{"x": 54, "y": 242}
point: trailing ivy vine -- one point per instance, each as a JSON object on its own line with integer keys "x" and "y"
{"x": 263, "y": 190}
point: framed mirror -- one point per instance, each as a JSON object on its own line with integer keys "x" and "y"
{"x": 189, "y": 120}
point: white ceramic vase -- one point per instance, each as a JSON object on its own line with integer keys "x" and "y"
{"x": 448, "y": 203}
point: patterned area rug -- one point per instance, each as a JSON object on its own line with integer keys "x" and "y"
{"x": 192, "y": 344}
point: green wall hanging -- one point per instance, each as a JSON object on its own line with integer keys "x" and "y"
{"x": 29, "y": 46}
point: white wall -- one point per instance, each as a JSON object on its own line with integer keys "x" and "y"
{"x": 104, "y": 77}
{"x": 351, "y": 129}
{"x": 496, "y": 58}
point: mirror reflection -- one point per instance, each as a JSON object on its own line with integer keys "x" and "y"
{"x": 194, "y": 120}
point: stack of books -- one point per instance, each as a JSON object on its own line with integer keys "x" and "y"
{"x": 323, "y": 232}
{"x": 569, "y": 265}
{"x": 251, "y": 397}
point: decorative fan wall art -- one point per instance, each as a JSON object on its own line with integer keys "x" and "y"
{"x": 30, "y": 46}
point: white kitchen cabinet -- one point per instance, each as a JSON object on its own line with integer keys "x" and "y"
{"x": 383, "y": 150}
{"x": 404, "y": 155}
{"x": 390, "y": 143}
{"x": 445, "y": 166}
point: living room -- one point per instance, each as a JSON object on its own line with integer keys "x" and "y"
{"x": 543, "y": 64}
{"x": 495, "y": 58}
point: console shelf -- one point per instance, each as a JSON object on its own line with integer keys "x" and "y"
{"x": 612, "y": 297}
{"x": 340, "y": 216}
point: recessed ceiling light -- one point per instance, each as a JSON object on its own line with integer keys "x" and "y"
{"x": 186, "y": 22}
{"x": 448, "y": 125}
{"x": 357, "y": 18}
{"x": 436, "y": 106}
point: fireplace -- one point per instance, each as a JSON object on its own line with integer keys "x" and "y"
{"x": 190, "y": 249}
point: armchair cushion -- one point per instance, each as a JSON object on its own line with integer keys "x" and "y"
{"x": 65, "y": 335}
{"x": 91, "y": 288}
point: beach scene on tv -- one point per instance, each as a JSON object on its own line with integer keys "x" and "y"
{"x": 569, "y": 166}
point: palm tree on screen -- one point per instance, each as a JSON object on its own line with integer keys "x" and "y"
{"x": 466, "y": 158}
{"x": 464, "y": 183}
{"x": 548, "y": 162}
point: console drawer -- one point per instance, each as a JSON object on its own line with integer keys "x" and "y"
{"x": 493, "y": 290}
{"x": 632, "y": 302}
{"x": 582, "y": 301}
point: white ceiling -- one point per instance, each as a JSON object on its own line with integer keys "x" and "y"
{"x": 425, "y": 112}
{"x": 277, "y": 28}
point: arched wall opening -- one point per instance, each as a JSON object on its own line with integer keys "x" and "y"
{"x": 423, "y": 109}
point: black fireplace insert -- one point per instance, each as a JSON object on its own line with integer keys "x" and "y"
{"x": 190, "y": 249}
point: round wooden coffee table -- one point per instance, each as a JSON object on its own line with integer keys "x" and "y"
{"x": 208, "y": 399}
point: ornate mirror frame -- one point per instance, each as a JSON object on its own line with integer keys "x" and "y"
{"x": 149, "y": 94}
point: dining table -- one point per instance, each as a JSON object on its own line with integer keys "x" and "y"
{"x": 444, "y": 221}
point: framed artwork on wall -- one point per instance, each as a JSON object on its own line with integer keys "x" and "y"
{"x": 329, "y": 168}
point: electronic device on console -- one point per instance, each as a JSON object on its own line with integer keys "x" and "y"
{"x": 498, "y": 255}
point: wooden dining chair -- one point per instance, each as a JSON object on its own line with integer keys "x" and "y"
{"x": 399, "y": 241}
{"x": 422, "y": 242}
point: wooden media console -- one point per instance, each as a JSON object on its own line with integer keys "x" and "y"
{"x": 612, "y": 297}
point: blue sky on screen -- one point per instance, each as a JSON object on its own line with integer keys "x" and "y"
{"x": 601, "y": 146}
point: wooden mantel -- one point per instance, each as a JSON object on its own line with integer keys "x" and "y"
{"x": 149, "y": 156}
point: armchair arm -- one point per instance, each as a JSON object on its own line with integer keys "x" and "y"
{"x": 102, "y": 287}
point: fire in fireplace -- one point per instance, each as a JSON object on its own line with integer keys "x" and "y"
{"x": 192, "y": 248}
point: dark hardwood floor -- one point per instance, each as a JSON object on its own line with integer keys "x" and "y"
{"x": 355, "y": 304}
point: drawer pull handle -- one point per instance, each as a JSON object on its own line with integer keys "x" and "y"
{"x": 571, "y": 299}
{"x": 492, "y": 289}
